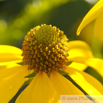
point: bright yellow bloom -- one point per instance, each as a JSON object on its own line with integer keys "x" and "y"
{"x": 96, "y": 12}
{"x": 45, "y": 57}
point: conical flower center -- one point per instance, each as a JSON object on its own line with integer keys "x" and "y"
{"x": 45, "y": 48}
{"x": 46, "y": 35}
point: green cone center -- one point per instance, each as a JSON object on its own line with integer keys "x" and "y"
{"x": 46, "y": 35}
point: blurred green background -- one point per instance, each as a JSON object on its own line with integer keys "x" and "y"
{"x": 17, "y": 17}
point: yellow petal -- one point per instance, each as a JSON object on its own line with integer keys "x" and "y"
{"x": 78, "y": 66}
{"x": 9, "y": 54}
{"x": 89, "y": 84}
{"x": 99, "y": 27}
{"x": 40, "y": 90}
{"x": 63, "y": 85}
{"x": 96, "y": 64}
{"x": 91, "y": 15}
{"x": 79, "y": 51}
{"x": 11, "y": 79}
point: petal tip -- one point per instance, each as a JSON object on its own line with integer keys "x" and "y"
{"x": 78, "y": 31}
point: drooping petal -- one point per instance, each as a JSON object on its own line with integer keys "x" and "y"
{"x": 11, "y": 79}
{"x": 91, "y": 15}
{"x": 81, "y": 55}
{"x": 63, "y": 85}
{"x": 9, "y": 54}
{"x": 98, "y": 30}
{"x": 40, "y": 90}
{"x": 89, "y": 84}
{"x": 96, "y": 64}
{"x": 79, "y": 51}
{"x": 78, "y": 66}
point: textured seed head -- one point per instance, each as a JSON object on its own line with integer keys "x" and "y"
{"x": 45, "y": 48}
{"x": 46, "y": 35}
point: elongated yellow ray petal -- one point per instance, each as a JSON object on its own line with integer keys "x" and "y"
{"x": 98, "y": 30}
{"x": 90, "y": 85}
{"x": 9, "y": 54}
{"x": 81, "y": 55}
{"x": 63, "y": 85}
{"x": 79, "y": 51}
{"x": 78, "y": 66}
{"x": 40, "y": 90}
{"x": 91, "y": 15}
{"x": 97, "y": 64}
{"x": 11, "y": 79}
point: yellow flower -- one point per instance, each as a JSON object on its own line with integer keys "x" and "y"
{"x": 96, "y": 12}
{"x": 45, "y": 52}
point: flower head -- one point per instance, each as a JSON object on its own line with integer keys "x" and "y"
{"x": 96, "y": 12}
{"x": 45, "y": 52}
{"x": 45, "y": 49}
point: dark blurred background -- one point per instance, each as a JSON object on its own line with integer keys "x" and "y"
{"x": 17, "y": 17}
